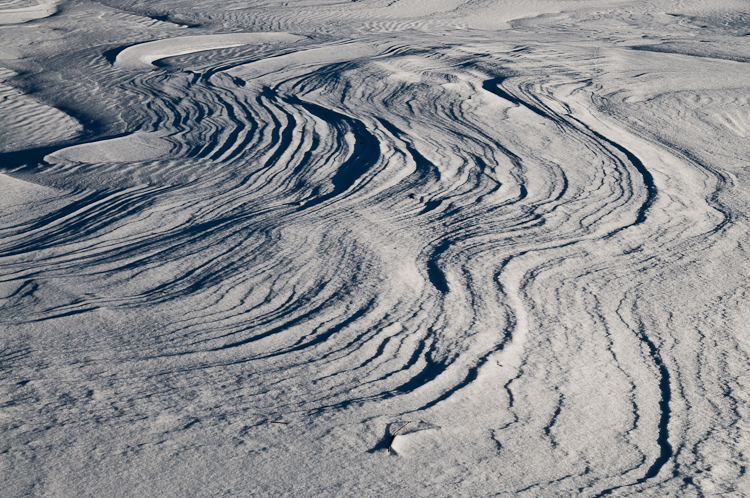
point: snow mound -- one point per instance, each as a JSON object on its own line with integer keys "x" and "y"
{"x": 144, "y": 54}
{"x": 20, "y": 11}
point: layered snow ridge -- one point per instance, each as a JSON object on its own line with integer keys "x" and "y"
{"x": 374, "y": 248}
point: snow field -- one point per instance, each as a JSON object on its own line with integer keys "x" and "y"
{"x": 241, "y": 269}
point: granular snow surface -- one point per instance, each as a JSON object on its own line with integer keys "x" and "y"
{"x": 374, "y": 248}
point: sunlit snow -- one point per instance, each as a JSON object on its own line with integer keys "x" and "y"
{"x": 374, "y": 248}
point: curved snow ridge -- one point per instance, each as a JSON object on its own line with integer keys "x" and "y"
{"x": 20, "y": 11}
{"x": 144, "y": 54}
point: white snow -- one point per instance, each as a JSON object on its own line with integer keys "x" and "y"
{"x": 144, "y": 54}
{"x": 19, "y": 11}
{"x": 374, "y": 248}
{"x": 136, "y": 147}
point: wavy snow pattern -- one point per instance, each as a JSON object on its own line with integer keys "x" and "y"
{"x": 490, "y": 238}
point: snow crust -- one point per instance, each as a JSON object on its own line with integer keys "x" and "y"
{"x": 19, "y": 11}
{"x": 374, "y": 248}
{"x": 144, "y": 54}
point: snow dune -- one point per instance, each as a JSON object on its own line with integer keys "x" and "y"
{"x": 457, "y": 248}
{"x": 144, "y": 54}
{"x": 19, "y": 11}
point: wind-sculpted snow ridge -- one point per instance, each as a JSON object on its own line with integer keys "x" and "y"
{"x": 18, "y": 11}
{"x": 402, "y": 262}
{"x": 143, "y": 55}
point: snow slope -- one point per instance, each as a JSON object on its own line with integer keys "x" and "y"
{"x": 20, "y": 11}
{"x": 315, "y": 248}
